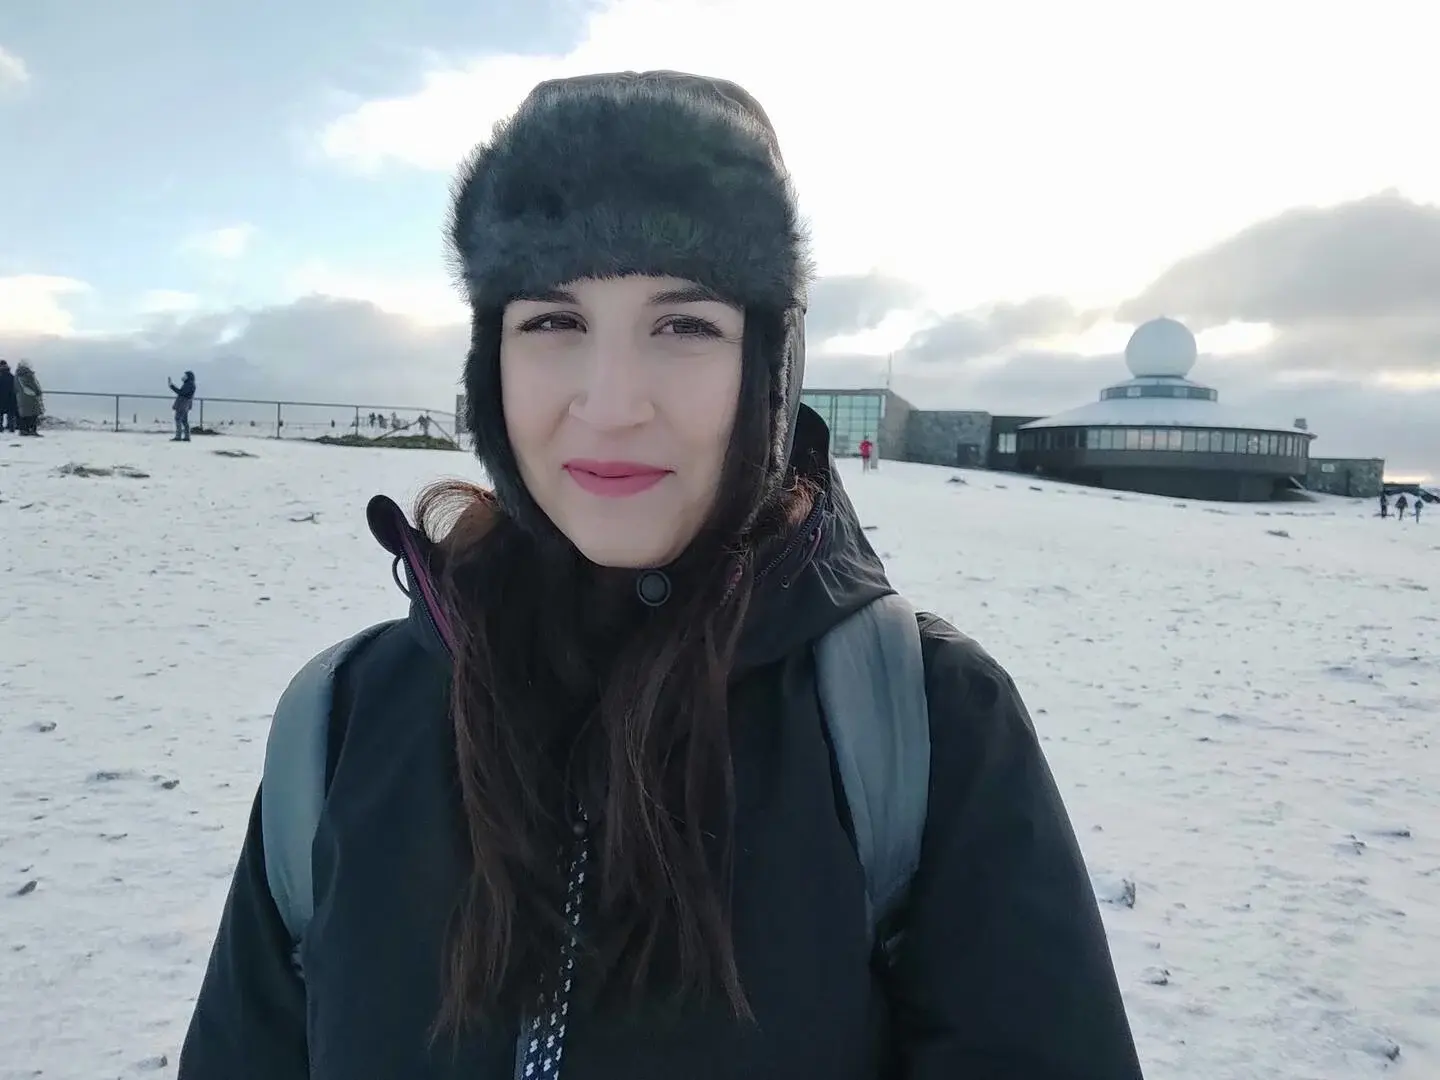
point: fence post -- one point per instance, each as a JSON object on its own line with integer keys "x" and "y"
{"x": 357, "y": 419}
{"x": 117, "y": 412}
{"x": 202, "y": 412}
{"x": 278, "y": 420}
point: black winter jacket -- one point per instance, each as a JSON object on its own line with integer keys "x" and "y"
{"x": 1005, "y": 973}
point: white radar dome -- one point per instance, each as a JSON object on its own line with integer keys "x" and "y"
{"x": 1161, "y": 348}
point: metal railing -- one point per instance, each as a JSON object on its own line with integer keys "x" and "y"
{"x": 256, "y": 417}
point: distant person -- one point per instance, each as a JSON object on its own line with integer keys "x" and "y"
{"x": 1419, "y": 502}
{"x": 1401, "y": 505}
{"x": 1384, "y": 504}
{"x": 184, "y": 398}
{"x": 29, "y": 399}
{"x": 8, "y": 419}
{"x": 425, "y": 425}
{"x": 867, "y": 448}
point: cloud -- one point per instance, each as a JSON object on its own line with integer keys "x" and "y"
{"x": 1373, "y": 257}
{"x": 315, "y": 349}
{"x": 997, "y": 328}
{"x": 13, "y": 72}
{"x": 229, "y": 242}
{"x": 33, "y": 304}
{"x": 429, "y": 301}
{"x": 845, "y": 304}
{"x": 1351, "y": 289}
{"x": 1030, "y": 196}
{"x": 167, "y": 302}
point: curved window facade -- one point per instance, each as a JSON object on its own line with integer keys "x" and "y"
{"x": 1167, "y": 440}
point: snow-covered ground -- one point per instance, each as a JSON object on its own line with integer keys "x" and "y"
{"x": 1238, "y": 703}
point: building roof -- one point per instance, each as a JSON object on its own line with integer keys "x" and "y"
{"x": 1160, "y": 354}
{"x": 1166, "y": 412}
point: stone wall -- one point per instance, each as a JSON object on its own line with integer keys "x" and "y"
{"x": 1359, "y": 478}
{"x": 935, "y": 438}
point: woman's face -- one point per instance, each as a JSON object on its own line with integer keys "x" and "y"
{"x": 619, "y": 399}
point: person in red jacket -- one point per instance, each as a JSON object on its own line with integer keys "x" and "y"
{"x": 867, "y": 451}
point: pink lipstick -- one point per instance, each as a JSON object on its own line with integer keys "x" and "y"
{"x": 614, "y": 479}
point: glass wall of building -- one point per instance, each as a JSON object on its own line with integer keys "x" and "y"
{"x": 851, "y": 418}
{"x": 1170, "y": 440}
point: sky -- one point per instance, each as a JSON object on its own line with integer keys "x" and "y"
{"x": 997, "y": 194}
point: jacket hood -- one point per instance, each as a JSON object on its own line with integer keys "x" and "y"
{"x": 806, "y": 580}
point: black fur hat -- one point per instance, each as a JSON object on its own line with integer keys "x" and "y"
{"x": 599, "y": 176}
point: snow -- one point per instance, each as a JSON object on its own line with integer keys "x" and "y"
{"x": 1237, "y": 703}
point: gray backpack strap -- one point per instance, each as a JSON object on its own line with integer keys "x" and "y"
{"x": 292, "y": 788}
{"x": 871, "y": 677}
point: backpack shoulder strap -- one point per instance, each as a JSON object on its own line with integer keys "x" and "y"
{"x": 871, "y": 679}
{"x": 292, "y": 787}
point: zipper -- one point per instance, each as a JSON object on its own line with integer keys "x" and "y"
{"x": 424, "y": 606}
{"x": 540, "y": 1045}
{"x": 808, "y": 531}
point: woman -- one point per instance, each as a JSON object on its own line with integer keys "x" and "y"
{"x": 184, "y": 398}
{"x": 29, "y": 398}
{"x": 590, "y": 769}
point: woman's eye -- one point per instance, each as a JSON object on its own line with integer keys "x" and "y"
{"x": 550, "y": 323}
{"x": 689, "y": 326}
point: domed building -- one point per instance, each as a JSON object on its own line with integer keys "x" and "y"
{"x": 1160, "y": 433}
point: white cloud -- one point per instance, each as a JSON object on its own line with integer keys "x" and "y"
{"x": 13, "y": 71}
{"x": 34, "y": 304}
{"x": 1004, "y": 151}
{"x": 430, "y": 302}
{"x": 229, "y": 242}
{"x": 168, "y": 302}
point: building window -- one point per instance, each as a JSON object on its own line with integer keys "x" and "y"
{"x": 1173, "y": 440}
{"x": 1187, "y": 441}
{"x": 1252, "y": 444}
{"x": 851, "y": 418}
{"x": 1005, "y": 444}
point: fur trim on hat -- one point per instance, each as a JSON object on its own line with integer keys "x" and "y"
{"x": 604, "y": 176}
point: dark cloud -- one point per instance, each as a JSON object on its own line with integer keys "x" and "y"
{"x": 852, "y": 303}
{"x": 315, "y": 349}
{"x": 1349, "y": 290}
{"x": 982, "y": 332}
{"x": 1376, "y": 257}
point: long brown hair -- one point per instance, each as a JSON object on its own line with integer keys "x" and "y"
{"x": 568, "y": 692}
